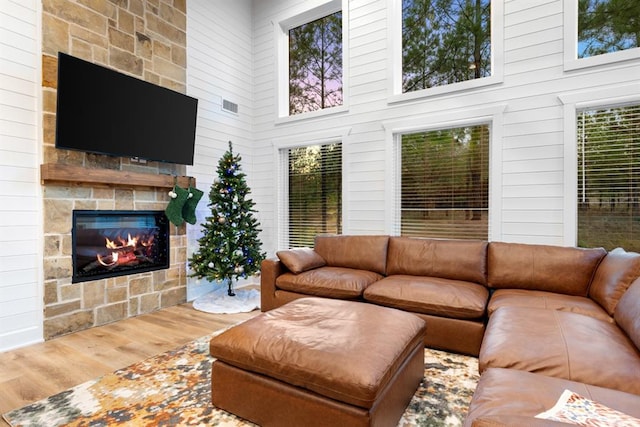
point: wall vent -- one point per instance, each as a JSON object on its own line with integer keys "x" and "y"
{"x": 229, "y": 106}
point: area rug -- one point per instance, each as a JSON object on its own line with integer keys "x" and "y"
{"x": 173, "y": 389}
{"x": 219, "y": 302}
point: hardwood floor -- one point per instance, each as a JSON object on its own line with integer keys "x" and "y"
{"x": 35, "y": 372}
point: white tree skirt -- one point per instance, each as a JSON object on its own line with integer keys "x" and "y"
{"x": 219, "y": 302}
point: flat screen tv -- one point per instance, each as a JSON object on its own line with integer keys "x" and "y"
{"x": 103, "y": 111}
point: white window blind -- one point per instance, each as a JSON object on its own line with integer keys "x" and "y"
{"x": 444, "y": 183}
{"x": 609, "y": 177}
{"x": 314, "y": 194}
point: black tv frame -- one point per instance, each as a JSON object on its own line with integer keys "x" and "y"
{"x": 103, "y": 111}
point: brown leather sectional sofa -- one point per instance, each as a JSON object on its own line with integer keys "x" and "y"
{"x": 540, "y": 318}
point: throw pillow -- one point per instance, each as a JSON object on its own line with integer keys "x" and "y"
{"x": 612, "y": 278}
{"x": 300, "y": 259}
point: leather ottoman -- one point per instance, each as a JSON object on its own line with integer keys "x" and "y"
{"x": 319, "y": 362}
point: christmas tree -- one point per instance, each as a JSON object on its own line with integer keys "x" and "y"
{"x": 229, "y": 248}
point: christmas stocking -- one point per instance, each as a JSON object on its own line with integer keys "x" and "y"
{"x": 189, "y": 208}
{"x": 174, "y": 210}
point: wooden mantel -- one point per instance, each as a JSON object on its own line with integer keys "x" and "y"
{"x": 51, "y": 172}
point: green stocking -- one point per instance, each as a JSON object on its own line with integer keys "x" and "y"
{"x": 189, "y": 208}
{"x": 174, "y": 209}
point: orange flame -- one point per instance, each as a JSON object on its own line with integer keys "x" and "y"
{"x": 121, "y": 245}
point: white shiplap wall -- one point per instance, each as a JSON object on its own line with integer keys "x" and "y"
{"x": 528, "y": 192}
{"x": 219, "y": 66}
{"x": 20, "y": 210}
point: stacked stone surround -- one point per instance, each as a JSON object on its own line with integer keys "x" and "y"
{"x": 145, "y": 39}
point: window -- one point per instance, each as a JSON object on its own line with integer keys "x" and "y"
{"x": 314, "y": 193}
{"x": 600, "y": 32}
{"x": 445, "y": 42}
{"x": 606, "y": 26}
{"x": 608, "y": 141}
{"x": 315, "y": 65}
{"x": 312, "y": 45}
{"x": 444, "y": 185}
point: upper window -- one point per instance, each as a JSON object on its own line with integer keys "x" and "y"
{"x": 444, "y": 185}
{"x": 609, "y": 177}
{"x": 311, "y": 60}
{"x": 444, "y": 46}
{"x": 600, "y": 32}
{"x": 444, "y": 42}
{"x": 606, "y": 26}
{"x": 313, "y": 193}
{"x": 315, "y": 65}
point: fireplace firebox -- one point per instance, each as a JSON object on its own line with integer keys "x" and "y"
{"x": 114, "y": 243}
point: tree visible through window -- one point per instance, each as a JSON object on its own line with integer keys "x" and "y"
{"x": 609, "y": 177}
{"x": 315, "y": 193}
{"x": 606, "y": 26}
{"x": 445, "y": 183}
{"x": 315, "y": 65}
{"x": 444, "y": 42}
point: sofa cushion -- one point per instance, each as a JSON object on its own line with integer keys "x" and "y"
{"x": 565, "y": 270}
{"x": 563, "y": 345}
{"x": 450, "y": 259}
{"x": 329, "y": 282}
{"x": 627, "y": 314}
{"x": 359, "y": 252}
{"x": 613, "y": 276}
{"x": 548, "y": 300}
{"x": 298, "y": 260}
{"x": 430, "y": 295}
{"x": 503, "y": 394}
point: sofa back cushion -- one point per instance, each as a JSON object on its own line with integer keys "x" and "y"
{"x": 359, "y": 252}
{"x": 627, "y": 314}
{"x": 561, "y": 344}
{"x": 448, "y": 259}
{"x": 565, "y": 270}
{"x": 613, "y": 276}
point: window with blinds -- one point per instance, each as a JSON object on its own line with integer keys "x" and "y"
{"x": 609, "y": 177}
{"x": 314, "y": 193}
{"x": 444, "y": 183}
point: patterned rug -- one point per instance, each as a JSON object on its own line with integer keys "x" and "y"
{"x": 173, "y": 389}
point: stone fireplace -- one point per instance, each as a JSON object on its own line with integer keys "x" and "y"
{"x": 147, "y": 40}
{"x": 72, "y": 305}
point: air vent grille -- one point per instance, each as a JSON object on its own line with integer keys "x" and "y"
{"x": 229, "y": 106}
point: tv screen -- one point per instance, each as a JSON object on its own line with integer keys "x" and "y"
{"x": 103, "y": 111}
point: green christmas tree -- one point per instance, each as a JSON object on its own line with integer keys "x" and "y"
{"x": 229, "y": 248}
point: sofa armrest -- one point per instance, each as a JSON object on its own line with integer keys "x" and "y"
{"x": 270, "y": 269}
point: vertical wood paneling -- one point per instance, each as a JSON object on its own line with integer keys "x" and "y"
{"x": 20, "y": 212}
